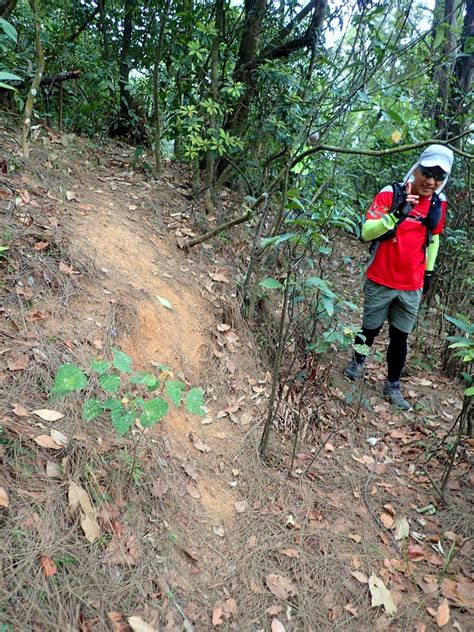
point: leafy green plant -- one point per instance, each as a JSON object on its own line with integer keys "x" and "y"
{"x": 126, "y": 395}
{"x": 8, "y": 39}
{"x": 464, "y": 346}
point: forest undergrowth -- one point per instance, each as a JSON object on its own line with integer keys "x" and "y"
{"x": 343, "y": 528}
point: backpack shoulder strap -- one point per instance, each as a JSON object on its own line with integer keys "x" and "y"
{"x": 433, "y": 217}
{"x": 398, "y": 198}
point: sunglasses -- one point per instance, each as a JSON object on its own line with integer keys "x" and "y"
{"x": 437, "y": 175}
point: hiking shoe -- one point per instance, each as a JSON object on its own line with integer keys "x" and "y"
{"x": 354, "y": 370}
{"x": 392, "y": 392}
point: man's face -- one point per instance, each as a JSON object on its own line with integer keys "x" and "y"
{"x": 427, "y": 180}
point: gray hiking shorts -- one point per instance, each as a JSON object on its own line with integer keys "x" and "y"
{"x": 400, "y": 306}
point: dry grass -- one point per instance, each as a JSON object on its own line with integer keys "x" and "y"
{"x": 180, "y": 567}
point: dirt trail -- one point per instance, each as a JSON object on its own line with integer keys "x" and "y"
{"x": 138, "y": 266}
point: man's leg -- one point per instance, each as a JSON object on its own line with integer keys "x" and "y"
{"x": 377, "y": 300}
{"x": 364, "y": 337}
{"x": 396, "y": 353}
{"x": 402, "y": 317}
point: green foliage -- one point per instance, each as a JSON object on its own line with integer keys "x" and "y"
{"x": 68, "y": 379}
{"x": 8, "y": 40}
{"x": 464, "y": 346}
{"x": 131, "y": 392}
{"x": 271, "y": 284}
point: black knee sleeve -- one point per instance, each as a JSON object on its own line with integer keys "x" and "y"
{"x": 396, "y": 353}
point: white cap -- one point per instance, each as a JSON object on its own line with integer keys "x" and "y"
{"x": 437, "y": 156}
{"x": 434, "y": 156}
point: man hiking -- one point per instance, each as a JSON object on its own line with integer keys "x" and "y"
{"x": 403, "y": 223}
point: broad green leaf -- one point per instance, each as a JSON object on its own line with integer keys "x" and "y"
{"x": 112, "y": 404}
{"x": 110, "y": 383}
{"x": 100, "y": 366}
{"x": 153, "y": 411}
{"x": 195, "y": 401}
{"x": 7, "y": 87}
{"x": 9, "y": 76}
{"x": 465, "y": 344}
{"x": 147, "y": 379}
{"x": 122, "y": 362}
{"x": 164, "y": 301}
{"x": 91, "y": 409}
{"x": 271, "y": 284}
{"x": 461, "y": 324}
{"x": 174, "y": 389}
{"x": 122, "y": 422}
{"x": 69, "y": 378}
{"x": 9, "y": 30}
{"x": 328, "y": 305}
{"x": 469, "y": 391}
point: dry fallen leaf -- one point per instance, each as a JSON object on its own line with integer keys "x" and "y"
{"x": 218, "y": 276}
{"x": 41, "y": 245}
{"x": 274, "y": 610}
{"x": 59, "y": 437}
{"x": 122, "y": 551}
{"x": 401, "y": 528}
{"x": 139, "y": 625}
{"x": 53, "y": 470}
{"x": 280, "y": 586}
{"x": 18, "y": 362}
{"x": 240, "y": 506}
{"x": 387, "y": 520}
{"x": 48, "y": 415}
{"x": 415, "y": 552}
{"x": 352, "y": 609}
{"x": 291, "y": 553}
{"x": 217, "y": 615}
{"x": 63, "y": 267}
{"x": 79, "y": 501}
{"x": 277, "y": 626}
{"x": 117, "y": 621}
{"x": 45, "y": 441}
{"x": 442, "y": 613}
{"x": 48, "y": 565}
{"x": 193, "y": 491}
{"x": 459, "y": 592}
{"x": 381, "y": 596}
{"x": 4, "y": 501}
{"x": 219, "y": 531}
{"x": 355, "y": 536}
{"x": 199, "y": 445}
{"x": 223, "y": 327}
{"x": 20, "y": 411}
{"x": 361, "y": 577}
{"x": 159, "y": 488}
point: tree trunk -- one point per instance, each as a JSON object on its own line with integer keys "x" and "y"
{"x": 280, "y": 47}
{"x": 459, "y": 103}
{"x": 35, "y": 84}
{"x": 124, "y": 126}
{"x": 156, "y": 84}
{"x": 444, "y": 12}
{"x": 249, "y": 44}
{"x": 64, "y": 49}
{"x": 103, "y": 29}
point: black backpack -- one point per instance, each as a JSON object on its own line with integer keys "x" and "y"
{"x": 430, "y": 221}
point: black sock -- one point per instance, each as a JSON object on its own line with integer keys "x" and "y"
{"x": 396, "y": 353}
{"x": 365, "y": 337}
